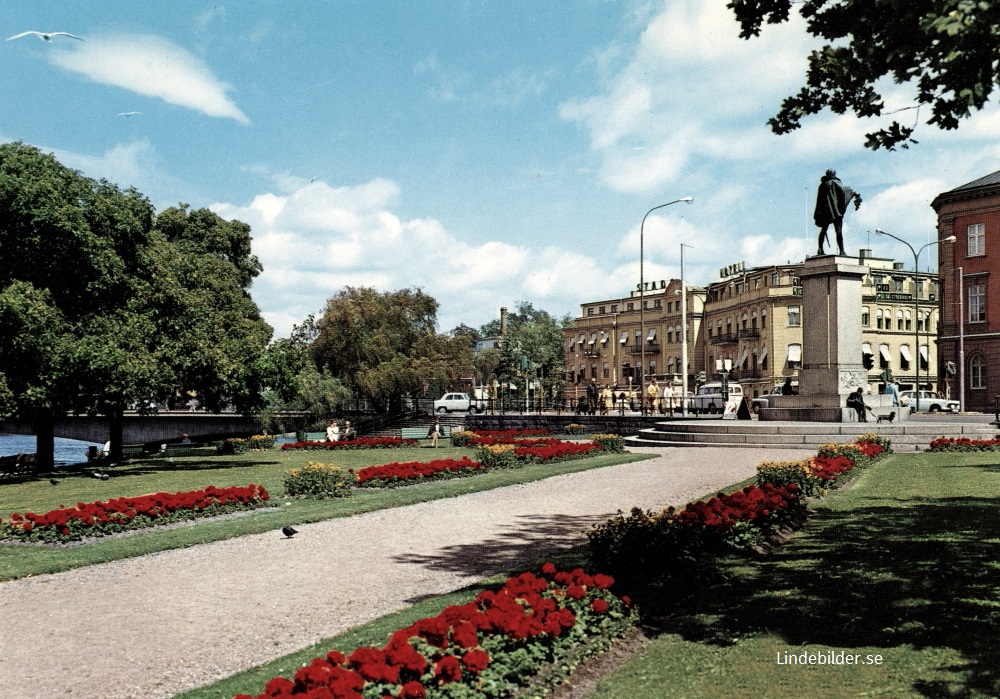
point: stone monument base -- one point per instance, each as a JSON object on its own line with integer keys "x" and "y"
{"x": 820, "y": 408}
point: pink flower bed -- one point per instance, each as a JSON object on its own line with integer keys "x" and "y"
{"x": 117, "y": 514}
{"x": 469, "y": 643}
{"x": 389, "y": 474}
{"x": 359, "y": 443}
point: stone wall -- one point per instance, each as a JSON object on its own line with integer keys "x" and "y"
{"x": 624, "y": 425}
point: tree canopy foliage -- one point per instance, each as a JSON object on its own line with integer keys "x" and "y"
{"x": 103, "y": 304}
{"x": 384, "y": 345}
{"x": 533, "y": 344}
{"x": 948, "y": 49}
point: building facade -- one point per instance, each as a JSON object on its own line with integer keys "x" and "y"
{"x": 753, "y": 317}
{"x": 611, "y": 338}
{"x": 969, "y": 333}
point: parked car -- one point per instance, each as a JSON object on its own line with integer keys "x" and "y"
{"x": 454, "y": 401}
{"x": 708, "y": 399}
{"x": 928, "y": 401}
{"x": 764, "y": 401}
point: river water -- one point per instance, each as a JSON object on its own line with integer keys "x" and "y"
{"x": 67, "y": 451}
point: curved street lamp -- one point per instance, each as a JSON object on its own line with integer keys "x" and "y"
{"x": 916, "y": 309}
{"x": 642, "y": 304}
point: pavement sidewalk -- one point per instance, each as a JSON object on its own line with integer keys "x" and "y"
{"x": 157, "y": 625}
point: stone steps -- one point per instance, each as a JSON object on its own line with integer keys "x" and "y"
{"x": 909, "y": 436}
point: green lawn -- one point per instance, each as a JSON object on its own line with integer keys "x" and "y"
{"x": 902, "y": 564}
{"x": 263, "y": 468}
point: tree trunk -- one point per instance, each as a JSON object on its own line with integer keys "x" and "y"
{"x": 115, "y": 424}
{"x": 45, "y": 448}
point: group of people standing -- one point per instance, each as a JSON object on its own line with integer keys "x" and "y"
{"x": 334, "y": 433}
{"x": 603, "y": 400}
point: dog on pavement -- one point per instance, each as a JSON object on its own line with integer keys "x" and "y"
{"x": 886, "y": 418}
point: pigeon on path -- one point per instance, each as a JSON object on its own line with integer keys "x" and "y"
{"x": 288, "y": 531}
{"x": 44, "y": 36}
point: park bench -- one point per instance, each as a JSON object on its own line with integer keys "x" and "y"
{"x": 421, "y": 432}
{"x": 17, "y": 466}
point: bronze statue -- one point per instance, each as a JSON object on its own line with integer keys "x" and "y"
{"x": 832, "y": 199}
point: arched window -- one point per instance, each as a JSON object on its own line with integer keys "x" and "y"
{"x": 977, "y": 372}
{"x": 909, "y": 320}
{"x": 744, "y": 321}
{"x": 763, "y": 320}
{"x": 879, "y": 320}
{"x": 865, "y": 316}
{"x": 753, "y": 320}
{"x": 899, "y": 320}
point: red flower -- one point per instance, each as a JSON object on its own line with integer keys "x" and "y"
{"x": 476, "y": 660}
{"x": 448, "y": 669}
{"x": 599, "y": 606}
{"x": 549, "y": 569}
{"x": 576, "y": 592}
{"x": 413, "y": 690}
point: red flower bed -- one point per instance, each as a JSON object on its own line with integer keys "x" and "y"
{"x": 359, "y": 443}
{"x": 751, "y": 504}
{"x": 828, "y": 468}
{"x": 559, "y": 450}
{"x": 871, "y": 449}
{"x": 118, "y": 514}
{"x": 519, "y": 441}
{"x": 395, "y": 472}
{"x": 529, "y": 611}
{"x": 964, "y": 444}
{"x": 506, "y": 434}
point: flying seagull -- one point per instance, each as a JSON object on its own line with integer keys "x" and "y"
{"x": 43, "y": 36}
{"x": 288, "y": 531}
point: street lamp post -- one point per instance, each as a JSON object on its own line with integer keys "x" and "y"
{"x": 916, "y": 308}
{"x": 684, "y": 337}
{"x": 642, "y": 302}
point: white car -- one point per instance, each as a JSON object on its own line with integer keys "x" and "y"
{"x": 708, "y": 399}
{"x": 454, "y": 401}
{"x": 928, "y": 401}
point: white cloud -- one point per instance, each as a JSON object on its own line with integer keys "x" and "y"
{"x": 316, "y": 239}
{"x": 152, "y": 66}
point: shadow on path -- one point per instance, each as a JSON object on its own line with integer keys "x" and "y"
{"x": 528, "y": 538}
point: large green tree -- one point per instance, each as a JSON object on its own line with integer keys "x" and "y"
{"x": 949, "y": 50}
{"x": 531, "y": 347}
{"x": 101, "y": 307}
{"x": 384, "y": 346}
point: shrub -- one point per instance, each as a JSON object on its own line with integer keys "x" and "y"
{"x": 497, "y": 456}
{"x": 611, "y": 443}
{"x": 359, "y": 443}
{"x": 261, "y": 442}
{"x": 233, "y": 445}
{"x": 318, "y": 480}
{"x": 574, "y": 428}
{"x": 462, "y": 438}
{"x": 786, "y": 472}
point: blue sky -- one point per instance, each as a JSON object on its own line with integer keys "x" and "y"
{"x": 486, "y": 152}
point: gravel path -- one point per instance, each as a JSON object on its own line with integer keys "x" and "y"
{"x": 157, "y": 625}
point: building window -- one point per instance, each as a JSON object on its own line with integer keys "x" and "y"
{"x": 898, "y": 283}
{"x": 899, "y": 320}
{"x": 601, "y": 310}
{"x": 607, "y": 372}
{"x": 630, "y": 307}
{"x": 794, "y": 316}
{"x": 590, "y": 311}
{"x": 638, "y": 338}
{"x": 879, "y": 320}
{"x": 909, "y": 320}
{"x": 866, "y": 318}
{"x": 794, "y": 355}
{"x": 977, "y": 372}
{"x": 883, "y": 356}
{"x": 614, "y": 308}
{"x": 905, "y": 358}
{"x": 763, "y": 320}
{"x": 977, "y": 303}
{"x": 921, "y": 316}
{"x": 593, "y": 371}
{"x": 976, "y": 239}
{"x": 670, "y": 335}
{"x": 753, "y": 320}
{"x": 924, "y": 359}
{"x": 657, "y": 303}
{"x": 774, "y": 279}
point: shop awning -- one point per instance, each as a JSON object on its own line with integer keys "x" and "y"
{"x": 795, "y": 353}
{"x": 743, "y": 358}
{"x": 604, "y": 338}
{"x": 763, "y": 355}
{"x": 624, "y": 339}
{"x": 651, "y": 336}
{"x": 866, "y": 347}
{"x": 593, "y": 338}
{"x": 884, "y": 351}
{"x": 905, "y": 351}
{"x": 923, "y": 352}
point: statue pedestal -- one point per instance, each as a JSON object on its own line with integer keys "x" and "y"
{"x": 831, "y": 346}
